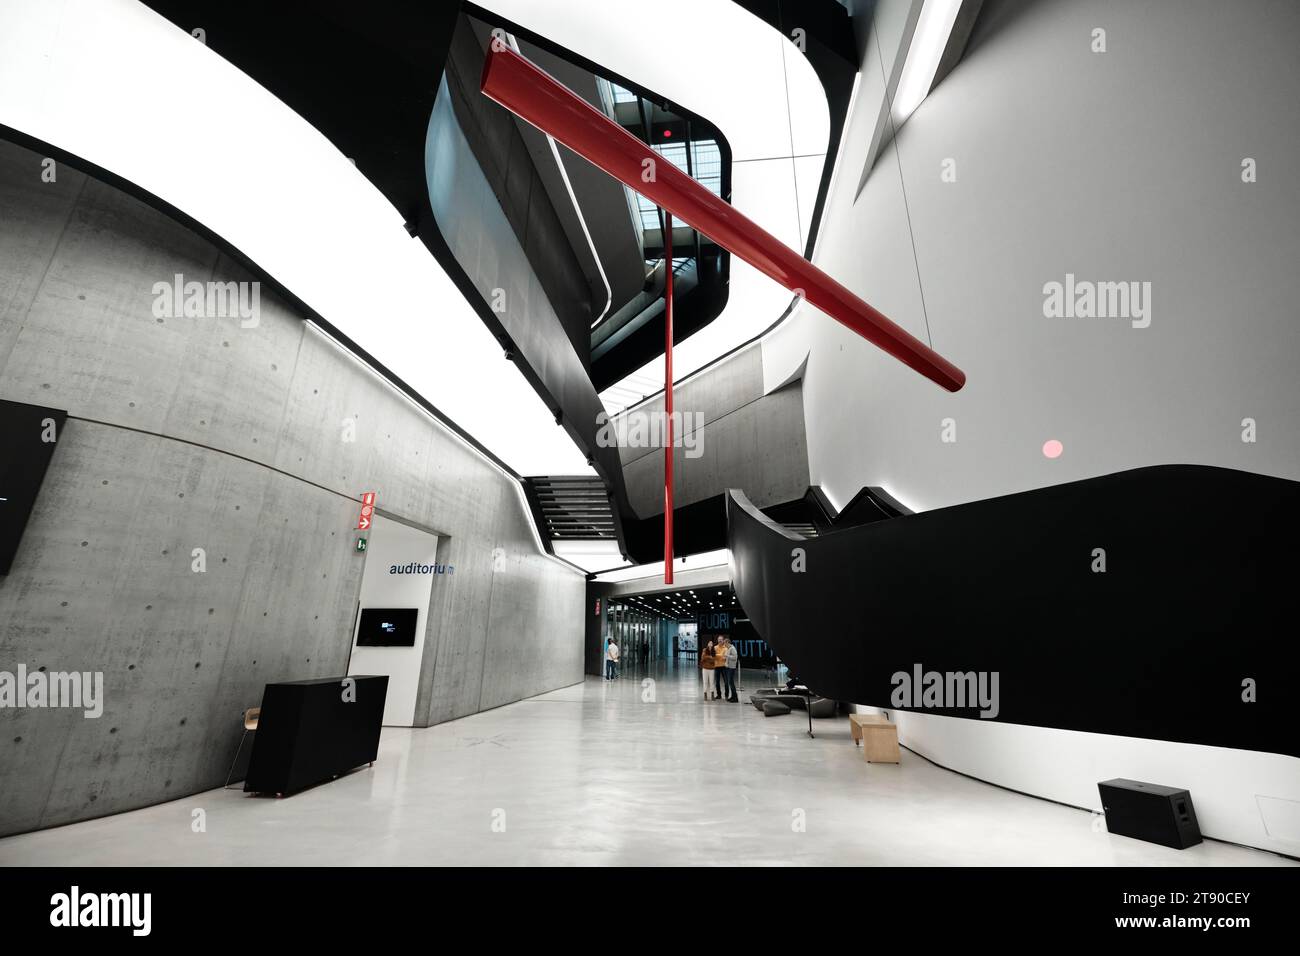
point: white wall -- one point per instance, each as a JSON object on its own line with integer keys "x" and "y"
{"x": 1124, "y": 165}
{"x": 391, "y": 543}
{"x": 1117, "y": 166}
{"x": 1239, "y": 795}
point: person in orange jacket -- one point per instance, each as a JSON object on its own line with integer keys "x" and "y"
{"x": 708, "y": 666}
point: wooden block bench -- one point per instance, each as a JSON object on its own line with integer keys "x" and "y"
{"x": 856, "y": 722}
{"x": 878, "y": 736}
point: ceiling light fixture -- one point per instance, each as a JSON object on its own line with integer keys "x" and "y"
{"x": 929, "y": 39}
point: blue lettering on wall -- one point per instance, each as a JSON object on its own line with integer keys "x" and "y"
{"x": 422, "y": 569}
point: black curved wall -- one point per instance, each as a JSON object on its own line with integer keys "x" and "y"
{"x": 1197, "y": 597}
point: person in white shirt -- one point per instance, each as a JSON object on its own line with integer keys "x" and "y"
{"x": 611, "y": 660}
{"x": 731, "y": 661}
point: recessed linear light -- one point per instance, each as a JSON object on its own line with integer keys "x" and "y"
{"x": 929, "y": 39}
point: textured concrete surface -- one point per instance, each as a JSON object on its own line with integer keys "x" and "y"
{"x": 599, "y": 774}
{"x": 749, "y": 440}
{"x": 197, "y": 433}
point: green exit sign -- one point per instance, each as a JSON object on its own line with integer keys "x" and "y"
{"x": 361, "y": 544}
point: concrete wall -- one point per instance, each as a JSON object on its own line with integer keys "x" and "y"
{"x": 748, "y": 440}
{"x": 193, "y": 433}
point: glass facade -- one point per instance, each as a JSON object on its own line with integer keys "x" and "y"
{"x": 705, "y": 165}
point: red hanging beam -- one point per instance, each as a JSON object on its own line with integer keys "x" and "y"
{"x": 537, "y": 98}
{"x": 668, "y": 398}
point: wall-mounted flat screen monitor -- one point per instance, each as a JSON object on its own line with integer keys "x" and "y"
{"x": 28, "y": 435}
{"x": 387, "y": 627}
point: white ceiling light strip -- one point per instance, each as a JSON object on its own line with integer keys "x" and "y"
{"x": 929, "y": 40}
{"x": 706, "y": 560}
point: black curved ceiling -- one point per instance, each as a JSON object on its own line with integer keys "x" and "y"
{"x": 521, "y": 172}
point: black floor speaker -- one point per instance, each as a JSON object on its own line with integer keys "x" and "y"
{"x": 1148, "y": 811}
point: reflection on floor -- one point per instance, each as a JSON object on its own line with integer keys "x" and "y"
{"x": 619, "y": 772}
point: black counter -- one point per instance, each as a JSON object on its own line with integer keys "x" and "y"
{"x": 311, "y": 731}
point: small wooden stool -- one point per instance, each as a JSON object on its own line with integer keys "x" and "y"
{"x": 880, "y": 743}
{"x": 857, "y": 721}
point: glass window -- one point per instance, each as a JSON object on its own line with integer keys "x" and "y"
{"x": 621, "y": 95}
{"x": 706, "y": 160}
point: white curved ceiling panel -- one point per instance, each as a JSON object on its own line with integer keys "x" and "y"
{"x": 119, "y": 86}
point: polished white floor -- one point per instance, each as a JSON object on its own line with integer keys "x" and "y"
{"x": 618, "y": 773}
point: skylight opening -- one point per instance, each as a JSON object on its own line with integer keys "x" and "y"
{"x": 706, "y": 164}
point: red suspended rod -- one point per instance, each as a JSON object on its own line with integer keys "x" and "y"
{"x": 668, "y": 398}
{"x": 537, "y": 98}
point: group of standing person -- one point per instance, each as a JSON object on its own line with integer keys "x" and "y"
{"x": 718, "y": 663}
